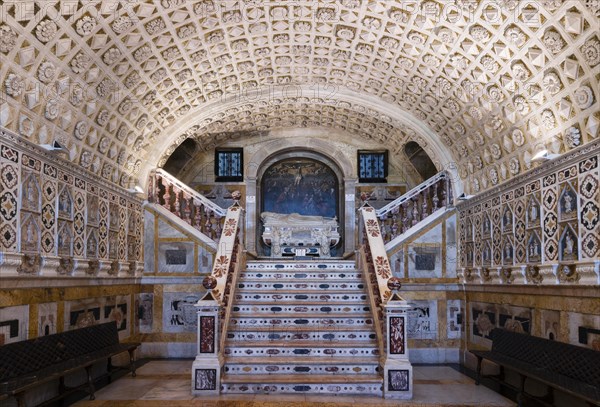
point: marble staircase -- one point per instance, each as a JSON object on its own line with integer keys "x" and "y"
{"x": 301, "y": 327}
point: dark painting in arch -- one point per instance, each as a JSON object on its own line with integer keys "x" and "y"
{"x": 300, "y": 185}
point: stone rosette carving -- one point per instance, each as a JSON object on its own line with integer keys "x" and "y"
{"x": 584, "y": 97}
{"x": 111, "y": 56}
{"x": 122, "y": 24}
{"x": 553, "y": 41}
{"x": 81, "y": 130}
{"x": 46, "y": 72}
{"x": 66, "y": 266}
{"x": 552, "y": 83}
{"x": 30, "y": 264}
{"x": 85, "y": 25}
{"x": 591, "y": 51}
{"x": 46, "y": 30}
{"x": 13, "y": 85}
{"x": 8, "y": 38}
{"x": 52, "y": 109}
{"x": 80, "y": 63}
{"x": 533, "y": 275}
{"x": 93, "y": 268}
{"x": 567, "y": 273}
{"x": 572, "y": 137}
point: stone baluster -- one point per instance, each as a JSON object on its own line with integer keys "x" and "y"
{"x": 187, "y": 210}
{"x": 424, "y": 205}
{"x": 405, "y": 218}
{"x": 167, "y": 198}
{"x": 177, "y": 204}
{"x": 218, "y": 226}
{"x": 443, "y": 184}
{"x": 208, "y": 225}
{"x": 198, "y": 217}
{"x": 434, "y": 197}
{"x": 395, "y": 225}
{"x": 415, "y": 210}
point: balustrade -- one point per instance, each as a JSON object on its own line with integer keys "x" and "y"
{"x": 414, "y": 206}
{"x": 185, "y": 203}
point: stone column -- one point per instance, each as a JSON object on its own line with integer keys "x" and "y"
{"x": 398, "y": 373}
{"x": 349, "y": 196}
{"x": 206, "y": 369}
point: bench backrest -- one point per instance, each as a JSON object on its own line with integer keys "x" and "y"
{"x": 576, "y": 362}
{"x": 25, "y": 357}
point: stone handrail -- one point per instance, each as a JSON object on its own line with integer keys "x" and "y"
{"x": 376, "y": 259}
{"x": 365, "y": 263}
{"x": 406, "y": 211}
{"x": 185, "y": 203}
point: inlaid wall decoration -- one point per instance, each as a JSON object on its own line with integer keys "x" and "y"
{"x": 144, "y": 312}
{"x": 454, "y": 318}
{"x": 47, "y": 317}
{"x": 484, "y": 317}
{"x": 14, "y": 324}
{"x": 92, "y": 311}
{"x": 179, "y": 313}
{"x": 422, "y": 320}
{"x": 49, "y": 209}
{"x": 549, "y": 218}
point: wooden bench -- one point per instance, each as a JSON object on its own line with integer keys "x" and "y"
{"x": 572, "y": 369}
{"x": 27, "y": 364}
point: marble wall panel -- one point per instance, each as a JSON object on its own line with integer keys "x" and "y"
{"x": 584, "y": 322}
{"x": 550, "y": 324}
{"x": 144, "y": 312}
{"x": 179, "y": 313}
{"x": 90, "y": 311}
{"x": 454, "y": 319}
{"x": 422, "y": 320}
{"x": 14, "y": 324}
{"x": 486, "y": 316}
{"x": 47, "y": 318}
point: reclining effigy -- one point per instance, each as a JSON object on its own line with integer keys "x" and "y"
{"x": 295, "y": 234}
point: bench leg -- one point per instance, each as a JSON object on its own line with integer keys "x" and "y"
{"x": 478, "y": 377}
{"x": 109, "y": 368}
{"x": 90, "y": 382}
{"x": 20, "y": 399}
{"x": 132, "y": 362}
{"x": 521, "y": 393}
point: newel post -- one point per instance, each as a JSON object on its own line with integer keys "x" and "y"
{"x": 206, "y": 369}
{"x": 398, "y": 373}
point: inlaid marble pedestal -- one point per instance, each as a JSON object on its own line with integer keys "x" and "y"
{"x": 398, "y": 373}
{"x": 206, "y": 369}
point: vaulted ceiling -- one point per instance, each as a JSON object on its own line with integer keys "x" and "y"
{"x": 482, "y": 83}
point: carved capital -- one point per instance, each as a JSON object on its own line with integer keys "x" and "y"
{"x": 66, "y": 266}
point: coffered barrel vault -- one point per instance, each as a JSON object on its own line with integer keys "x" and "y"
{"x": 482, "y": 83}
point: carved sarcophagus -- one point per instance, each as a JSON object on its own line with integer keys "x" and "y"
{"x": 295, "y": 234}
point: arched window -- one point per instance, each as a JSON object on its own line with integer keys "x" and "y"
{"x": 420, "y": 160}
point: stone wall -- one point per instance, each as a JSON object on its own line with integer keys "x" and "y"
{"x": 529, "y": 253}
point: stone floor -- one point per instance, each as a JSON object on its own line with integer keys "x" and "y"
{"x": 166, "y": 383}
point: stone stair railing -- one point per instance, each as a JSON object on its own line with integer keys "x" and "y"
{"x": 214, "y": 309}
{"x": 414, "y": 206}
{"x": 182, "y": 201}
{"x": 376, "y": 228}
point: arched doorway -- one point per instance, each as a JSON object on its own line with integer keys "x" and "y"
{"x": 302, "y": 182}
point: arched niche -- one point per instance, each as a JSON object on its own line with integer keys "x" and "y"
{"x": 307, "y": 145}
{"x": 300, "y": 181}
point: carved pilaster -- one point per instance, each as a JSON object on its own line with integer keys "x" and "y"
{"x": 206, "y": 369}
{"x": 398, "y": 373}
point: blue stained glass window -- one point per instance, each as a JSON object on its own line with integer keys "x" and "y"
{"x": 229, "y": 164}
{"x": 372, "y": 166}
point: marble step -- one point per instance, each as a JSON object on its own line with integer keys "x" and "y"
{"x": 319, "y": 322}
{"x": 268, "y": 334}
{"x": 292, "y": 350}
{"x": 309, "y": 384}
{"x": 268, "y": 286}
{"x": 247, "y": 275}
{"x": 302, "y": 343}
{"x": 301, "y": 366}
{"x": 295, "y": 297}
{"x": 326, "y": 309}
{"x": 301, "y": 265}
